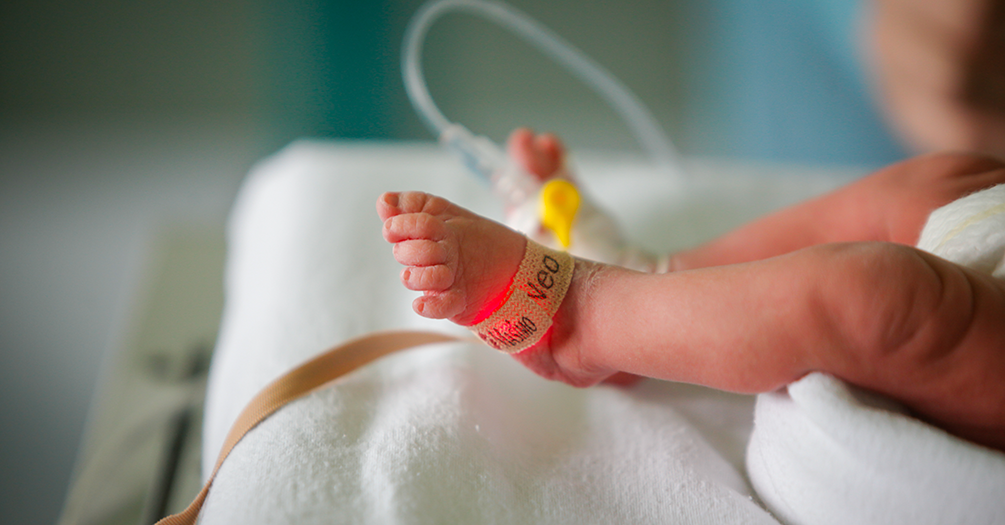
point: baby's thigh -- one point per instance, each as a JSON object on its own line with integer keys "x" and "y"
{"x": 880, "y": 300}
{"x": 921, "y": 330}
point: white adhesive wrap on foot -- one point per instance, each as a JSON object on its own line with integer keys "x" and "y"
{"x": 530, "y": 303}
{"x": 595, "y": 234}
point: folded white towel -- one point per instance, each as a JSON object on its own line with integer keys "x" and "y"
{"x": 823, "y": 452}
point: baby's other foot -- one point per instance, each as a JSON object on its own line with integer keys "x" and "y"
{"x": 540, "y": 155}
{"x": 595, "y": 234}
{"x": 461, "y": 262}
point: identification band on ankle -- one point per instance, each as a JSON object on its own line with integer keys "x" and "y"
{"x": 529, "y": 305}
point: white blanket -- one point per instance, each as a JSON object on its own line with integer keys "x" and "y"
{"x": 456, "y": 433}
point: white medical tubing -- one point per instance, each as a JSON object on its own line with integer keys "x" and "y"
{"x": 646, "y": 130}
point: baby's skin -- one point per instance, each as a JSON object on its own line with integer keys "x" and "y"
{"x": 829, "y": 285}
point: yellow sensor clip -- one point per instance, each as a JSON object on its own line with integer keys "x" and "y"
{"x": 558, "y": 206}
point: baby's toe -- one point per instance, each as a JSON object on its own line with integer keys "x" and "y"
{"x": 541, "y": 155}
{"x": 417, "y": 201}
{"x": 443, "y": 305}
{"x": 551, "y": 152}
{"x": 413, "y": 226}
{"x": 436, "y": 278}
{"x": 420, "y": 252}
{"x": 387, "y": 205}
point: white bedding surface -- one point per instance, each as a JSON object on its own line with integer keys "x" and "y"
{"x": 457, "y": 433}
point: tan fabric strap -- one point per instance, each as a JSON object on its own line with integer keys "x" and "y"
{"x": 302, "y": 380}
{"x": 534, "y": 296}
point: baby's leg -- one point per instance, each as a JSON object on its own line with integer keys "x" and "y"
{"x": 879, "y": 315}
{"x": 886, "y": 317}
{"x": 890, "y": 205}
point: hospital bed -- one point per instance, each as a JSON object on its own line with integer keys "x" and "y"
{"x": 457, "y": 433}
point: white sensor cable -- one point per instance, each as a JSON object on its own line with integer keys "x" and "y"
{"x": 482, "y": 155}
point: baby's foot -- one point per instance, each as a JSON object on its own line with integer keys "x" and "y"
{"x": 460, "y": 261}
{"x": 540, "y": 155}
{"x": 464, "y": 264}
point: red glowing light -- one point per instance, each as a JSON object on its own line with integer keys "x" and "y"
{"x": 495, "y": 303}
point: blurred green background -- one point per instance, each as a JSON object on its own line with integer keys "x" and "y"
{"x": 118, "y": 117}
{"x": 762, "y": 80}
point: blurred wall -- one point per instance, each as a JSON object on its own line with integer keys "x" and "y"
{"x": 753, "y": 79}
{"x": 108, "y": 58}
{"x": 762, "y": 79}
{"x": 118, "y": 116}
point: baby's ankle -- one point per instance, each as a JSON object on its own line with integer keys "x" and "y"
{"x": 569, "y": 353}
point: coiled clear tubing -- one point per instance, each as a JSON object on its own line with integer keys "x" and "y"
{"x": 647, "y": 131}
